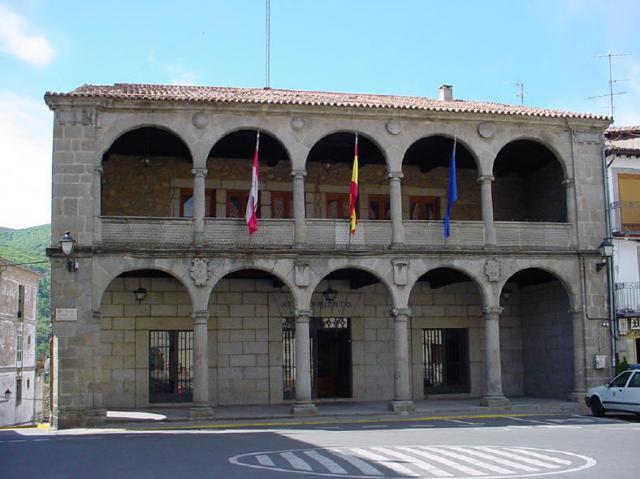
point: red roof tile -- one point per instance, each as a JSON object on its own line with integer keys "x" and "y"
{"x": 206, "y": 94}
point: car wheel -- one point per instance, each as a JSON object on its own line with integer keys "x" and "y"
{"x": 596, "y": 407}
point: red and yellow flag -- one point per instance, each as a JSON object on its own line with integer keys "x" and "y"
{"x": 353, "y": 191}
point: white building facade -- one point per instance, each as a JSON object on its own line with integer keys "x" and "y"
{"x": 166, "y": 298}
{"x": 623, "y": 167}
{"x": 18, "y": 308}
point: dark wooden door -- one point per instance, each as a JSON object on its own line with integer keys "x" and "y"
{"x": 332, "y": 358}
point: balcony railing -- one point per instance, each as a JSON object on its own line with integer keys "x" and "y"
{"x": 627, "y": 298}
{"x": 325, "y": 233}
{"x": 625, "y": 218}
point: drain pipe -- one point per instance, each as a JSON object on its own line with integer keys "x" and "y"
{"x": 610, "y": 285}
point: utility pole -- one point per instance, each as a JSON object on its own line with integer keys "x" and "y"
{"x": 268, "y": 44}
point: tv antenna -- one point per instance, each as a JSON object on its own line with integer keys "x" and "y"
{"x": 609, "y": 56}
{"x": 520, "y": 93}
{"x": 268, "y": 44}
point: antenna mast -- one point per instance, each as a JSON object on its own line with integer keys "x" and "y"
{"x": 609, "y": 56}
{"x": 520, "y": 85}
{"x": 268, "y": 44}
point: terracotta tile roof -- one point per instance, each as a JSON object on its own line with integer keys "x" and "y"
{"x": 207, "y": 94}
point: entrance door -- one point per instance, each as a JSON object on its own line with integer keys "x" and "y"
{"x": 170, "y": 366}
{"x": 446, "y": 361}
{"x": 331, "y": 353}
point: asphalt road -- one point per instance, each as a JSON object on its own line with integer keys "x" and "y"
{"x": 454, "y": 447}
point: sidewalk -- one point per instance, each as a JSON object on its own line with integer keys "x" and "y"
{"x": 342, "y": 410}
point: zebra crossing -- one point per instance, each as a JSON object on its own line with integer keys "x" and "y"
{"x": 433, "y": 461}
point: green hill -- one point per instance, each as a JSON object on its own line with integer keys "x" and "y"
{"x": 28, "y": 246}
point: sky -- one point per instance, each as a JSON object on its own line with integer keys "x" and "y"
{"x": 402, "y": 47}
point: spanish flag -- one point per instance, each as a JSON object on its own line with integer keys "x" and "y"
{"x": 353, "y": 190}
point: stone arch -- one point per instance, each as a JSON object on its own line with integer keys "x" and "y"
{"x": 252, "y": 127}
{"x": 320, "y": 276}
{"x": 566, "y": 283}
{"x": 136, "y": 336}
{"x": 529, "y": 178}
{"x": 131, "y": 160}
{"x": 229, "y": 164}
{"x": 329, "y": 164}
{"x": 362, "y": 133}
{"x": 102, "y": 281}
{"x": 426, "y": 166}
{"x": 483, "y": 288}
{"x": 549, "y": 145}
{"x": 274, "y": 271}
{"x": 250, "y": 307}
{"x": 537, "y": 324}
{"x": 113, "y": 135}
{"x": 447, "y": 328}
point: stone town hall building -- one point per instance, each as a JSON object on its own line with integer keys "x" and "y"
{"x": 173, "y": 302}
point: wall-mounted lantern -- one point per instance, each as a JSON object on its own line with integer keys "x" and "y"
{"x": 67, "y": 243}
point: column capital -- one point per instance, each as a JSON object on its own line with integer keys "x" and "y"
{"x": 199, "y": 172}
{"x": 200, "y": 317}
{"x": 486, "y": 178}
{"x": 576, "y": 311}
{"x": 569, "y": 181}
{"x": 395, "y": 175}
{"x": 303, "y": 315}
{"x": 98, "y": 170}
{"x": 491, "y": 311}
{"x": 400, "y": 314}
{"x": 298, "y": 173}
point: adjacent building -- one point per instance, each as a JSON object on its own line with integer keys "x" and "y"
{"x": 623, "y": 166}
{"x": 166, "y": 299}
{"x": 18, "y": 308}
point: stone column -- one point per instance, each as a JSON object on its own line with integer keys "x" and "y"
{"x": 303, "y": 405}
{"x": 493, "y": 396}
{"x": 97, "y": 203}
{"x": 572, "y": 213}
{"x": 579, "y": 378}
{"x": 201, "y": 407}
{"x": 199, "y": 175}
{"x": 395, "y": 202}
{"x": 402, "y": 402}
{"x": 487, "y": 210}
{"x": 300, "y": 226}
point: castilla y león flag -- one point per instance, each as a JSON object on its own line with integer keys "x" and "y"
{"x": 252, "y": 202}
{"x": 353, "y": 191}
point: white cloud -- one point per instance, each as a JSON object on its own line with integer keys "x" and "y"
{"x": 32, "y": 48}
{"x": 25, "y": 168}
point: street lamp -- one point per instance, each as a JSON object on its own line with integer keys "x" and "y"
{"x": 606, "y": 252}
{"x": 67, "y": 244}
{"x": 140, "y": 294}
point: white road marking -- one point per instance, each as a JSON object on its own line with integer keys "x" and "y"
{"x": 442, "y": 460}
{"x": 425, "y": 466}
{"x": 384, "y": 461}
{"x": 295, "y": 461}
{"x": 519, "y": 419}
{"x": 541, "y": 456}
{"x": 417, "y": 461}
{"x": 264, "y": 460}
{"x": 489, "y": 457}
{"x": 518, "y": 457}
{"x": 326, "y": 462}
{"x": 469, "y": 460}
{"x": 466, "y": 423}
{"x": 359, "y": 464}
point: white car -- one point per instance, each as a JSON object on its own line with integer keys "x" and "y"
{"x": 622, "y": 393}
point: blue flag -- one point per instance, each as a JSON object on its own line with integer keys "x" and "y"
{"x": 452, "y": 191}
